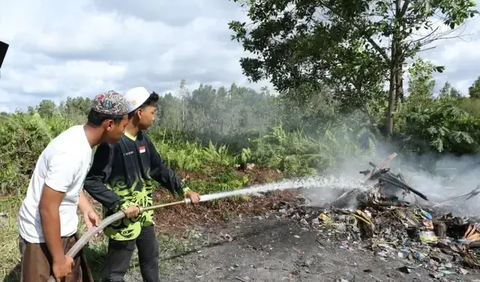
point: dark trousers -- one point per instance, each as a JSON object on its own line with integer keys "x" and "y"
{"x": 120, "y": 254}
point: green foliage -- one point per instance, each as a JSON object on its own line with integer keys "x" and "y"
{"x": 292, "y": 152}
{"x": 22, "y": 138}
{"x": 471, "y": 106}
{"x": 474, "y": 90}
{"x": 440, "y": 125}
{"x": 223, "y": 115}
{"x": 296, "y": 154}
{"x": 339, "y": 43}
{"x": 219, "y": 181}
{"x": 75, "y": 106}
{"x": 46, "y": 109}
{"x": 190, "y": 155}
{"x": 449, "y": 92}
{"x": 421, "y": 83}
{"x": 286, "y": 37}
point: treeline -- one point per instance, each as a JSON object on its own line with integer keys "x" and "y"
{"x": 426, "y": 121}
{"x": 301, "y": 132}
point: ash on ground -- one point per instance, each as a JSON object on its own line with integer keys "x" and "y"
{"x": 377, "y": 218}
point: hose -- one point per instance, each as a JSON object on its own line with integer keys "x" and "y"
{"x": 106, "y": 222}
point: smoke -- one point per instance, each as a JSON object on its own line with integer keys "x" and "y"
{"x": 448, "y": 177}
{"x": 438, "y": 177}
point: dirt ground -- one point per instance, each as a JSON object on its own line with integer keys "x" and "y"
{"x": 275, "y": 249}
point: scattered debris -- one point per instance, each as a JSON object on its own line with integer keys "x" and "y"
{"x": 226, "y": 237}
{"x": 382, "y": 222}
{"x": 404, "y": 269}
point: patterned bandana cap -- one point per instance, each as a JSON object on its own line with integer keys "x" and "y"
{"x": 110, "y": 103}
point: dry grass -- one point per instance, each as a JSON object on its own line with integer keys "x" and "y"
{"x": 9, "y": 251}
{"x": 10, "y": 255}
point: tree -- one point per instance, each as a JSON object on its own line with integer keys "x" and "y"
{"x": 431, "y": 124}
{"x": 184, "y": 94}
{"x": 420, "y": 89}
{"x": 224, "y": 115}
{"x": 474, "y": 90}
{"x": 31, "y": 110}
{"x": 454, "y": 93}
{"x": 340, "y": 42}
{"x": 169, "y": 113}
{"x": 448, "y": 91}
{"x": 78, "y": 105}
{"x": 46, "y": 108}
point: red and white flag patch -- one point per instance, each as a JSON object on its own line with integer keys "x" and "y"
{"x": 141, "y": 149}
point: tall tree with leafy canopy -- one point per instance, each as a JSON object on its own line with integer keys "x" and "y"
{"x": 434, "y": 124}
{"x": 342, "y": 43}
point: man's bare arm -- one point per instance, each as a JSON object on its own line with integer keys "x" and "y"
{"x": 50, "y": 217}
{"x": 84, "y": 204}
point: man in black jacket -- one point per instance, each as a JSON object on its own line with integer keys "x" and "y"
{"x": 122, "y": 178}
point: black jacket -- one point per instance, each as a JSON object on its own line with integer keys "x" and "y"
{"x": 123, "y": 174}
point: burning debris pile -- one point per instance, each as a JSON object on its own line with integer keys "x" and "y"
{"x": 379, "y": 219}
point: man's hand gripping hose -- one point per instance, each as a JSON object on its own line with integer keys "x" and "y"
{"x": 107, "y": 221}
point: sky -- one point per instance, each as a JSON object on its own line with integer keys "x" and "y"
{"x": 84, "y": 47}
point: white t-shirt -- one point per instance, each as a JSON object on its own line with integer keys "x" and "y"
{"x": 63, "y": 166}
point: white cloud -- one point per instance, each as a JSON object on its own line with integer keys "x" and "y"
{"x": 459, "y": 53}
{"x": 69, "y": 48}
{"x": 72, "y": 48}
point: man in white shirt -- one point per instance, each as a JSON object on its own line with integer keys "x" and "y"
{"x": 47, "y": 219}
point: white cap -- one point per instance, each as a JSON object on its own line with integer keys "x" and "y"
{"x": 136, "y": 97}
